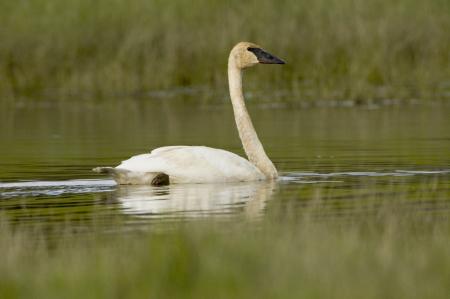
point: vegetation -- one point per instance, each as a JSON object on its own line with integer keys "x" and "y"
{"x": 387, "y": 257}
{"x": 335, "y": 49}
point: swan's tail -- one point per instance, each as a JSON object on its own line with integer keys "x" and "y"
{"x": 106, "y": 170}
{"x": 126, "y": 177}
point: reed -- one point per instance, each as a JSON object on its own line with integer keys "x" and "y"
{"x": 335, "y": 49}
{"x": 394, "y": 257}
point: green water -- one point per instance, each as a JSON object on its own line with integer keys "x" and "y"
{"x": 336, "y": 163}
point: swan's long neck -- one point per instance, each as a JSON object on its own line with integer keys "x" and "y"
{"x": 252, "y": 146}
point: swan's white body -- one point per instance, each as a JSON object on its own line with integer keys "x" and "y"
{"x": 189, "y": 164}
{"x": 199, "y": 164}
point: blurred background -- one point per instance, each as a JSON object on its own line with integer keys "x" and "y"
{"x": 335, "y": 49}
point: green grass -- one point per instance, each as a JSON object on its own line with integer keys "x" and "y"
{"x": 335, "y": 49}
{"x": 388, "y": 256}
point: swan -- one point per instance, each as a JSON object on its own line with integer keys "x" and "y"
{"x": 201, "y": 164}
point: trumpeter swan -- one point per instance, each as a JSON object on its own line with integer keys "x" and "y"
{"x": 200, "y": 164}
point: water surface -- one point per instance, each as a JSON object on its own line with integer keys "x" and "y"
{"x": 336, "y": 163}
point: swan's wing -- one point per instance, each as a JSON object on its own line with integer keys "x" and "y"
{"x": 194, "y": 164}
{"x": 170, "y": 148}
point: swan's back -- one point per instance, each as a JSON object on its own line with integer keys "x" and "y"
{"x": 187, "y": 164}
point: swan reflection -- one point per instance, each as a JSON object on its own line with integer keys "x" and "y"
{"x": 195, "y": 200}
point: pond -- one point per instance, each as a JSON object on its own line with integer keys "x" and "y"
{"x": 338, "y": 163}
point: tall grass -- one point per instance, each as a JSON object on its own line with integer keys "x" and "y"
{"x": 282, "y": 259}
{"x": 335, "y": 49}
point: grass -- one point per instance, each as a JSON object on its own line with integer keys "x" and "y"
{"x": 335, "y": 49}
{"x": 387, "y": 256}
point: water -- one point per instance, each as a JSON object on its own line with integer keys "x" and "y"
{"x": 336, "y": 163}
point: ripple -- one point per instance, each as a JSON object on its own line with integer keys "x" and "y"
{"x": 295, "y": 175}
{"x": 58, "y": 188}
{"x": 445, "y": 171}
{"x": 54, "y": 188}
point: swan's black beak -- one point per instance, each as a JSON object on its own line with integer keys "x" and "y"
{"x": 265, "y": 57}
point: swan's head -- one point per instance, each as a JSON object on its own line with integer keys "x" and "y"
{"x": 246, "y": 54}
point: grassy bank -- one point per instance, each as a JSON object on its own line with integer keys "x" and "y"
{"x": 388, "y": 258}
{"x": 335, "y": 49}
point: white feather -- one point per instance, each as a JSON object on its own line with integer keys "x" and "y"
{"x": 194, "y": 164}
